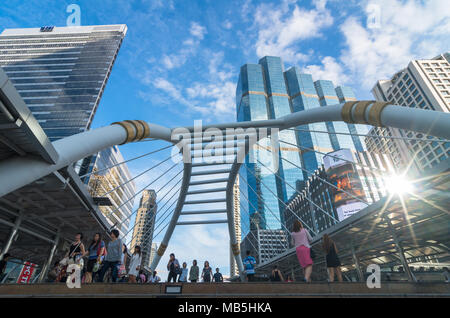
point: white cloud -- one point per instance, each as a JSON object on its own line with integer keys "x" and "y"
{"x": 330, "y": 69}
{"x": 197, "y": 30}
{"x": 408, "y": 30}
{"x": 227, "y": 24}
{"x": 281, "y": 28}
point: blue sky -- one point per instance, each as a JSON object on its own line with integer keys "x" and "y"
{"x": 180, "y": 61}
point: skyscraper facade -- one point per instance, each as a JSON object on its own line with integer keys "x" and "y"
{"x": 113, "y": 184}
{"x": 145, "y": 225}
{"x": 61, "y": 72}
{"x": 266, "y": 91}
{"x": 422, "y": 84}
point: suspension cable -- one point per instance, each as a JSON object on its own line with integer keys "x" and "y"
{"x": 116, "y": 209}
{"x": 145, "y": 171}
{"x": 160, "y": 207}
{"x": 129, "y": 160}
{"x": 311, "y": 201}
{"x": 267, "y": 207}
{"x": 249, "y": 225}
{"x": 335, "y": 157}
{"x": 299, "y": 218}
{"x": 311, "y": 173}
{"x": 156, "y": 194}
{"x": 369, "y": 135}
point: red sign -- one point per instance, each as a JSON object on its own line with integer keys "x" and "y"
{"x": 26, "y": 273}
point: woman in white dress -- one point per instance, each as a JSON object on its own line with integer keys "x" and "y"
{"x": 135, "y": 264}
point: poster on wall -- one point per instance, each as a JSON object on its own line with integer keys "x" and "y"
{"x": 26, "y": 273}
{"x": 342, "y": 173}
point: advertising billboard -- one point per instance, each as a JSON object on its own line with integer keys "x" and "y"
{"x": 26, "y": 273}
{"x": 342, "y": 173}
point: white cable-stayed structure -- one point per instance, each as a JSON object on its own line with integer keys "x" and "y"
{"x": 209, "y": 176}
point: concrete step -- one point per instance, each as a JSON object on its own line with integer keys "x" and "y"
{"x": 221, "y": 290}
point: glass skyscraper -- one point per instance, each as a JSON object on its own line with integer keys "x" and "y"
{"x": 266, "y": 91}
{"x": 61, "y": 72}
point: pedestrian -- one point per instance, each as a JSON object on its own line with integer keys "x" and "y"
{"x": 53, "y": 273}
{"x": 333, "y": 262}
{"x": 122, "y": 266}
{"x": 184, "y": 274}
{"x": 289, "y": 279}
{"x": 206, "y": 273}
{"x": 95, "y": 251}
{"x": 276, "y": 275}
{"x": 218, "y": 278}
{"x": 142, "y": 277}
{"x": 135, "y": 264}
{"x": 249, "y": 265}
{"x": 113, "y": 257}
{"x": 194, "y": 272}
{"x": 3, "y": 263}
{"x": 76, "y": 250}
{"x": 301, "y": 239}
{"x": 155, "y": 278}
{"x": 173, "y": 267}
{"x": 75, "y": 254}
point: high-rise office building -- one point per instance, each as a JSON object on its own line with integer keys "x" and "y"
{"x": 61, "y": 72}
{"x": 153, "y": 251}
{"x": 145, "y": 225}
{"x": 112, "y": 183}
{"x": 266, "y": 91}
{"x": 234, "y": 270}
{"x": 422, "y": 84}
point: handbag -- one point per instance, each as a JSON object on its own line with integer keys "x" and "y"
{"x": 312, "y": 254}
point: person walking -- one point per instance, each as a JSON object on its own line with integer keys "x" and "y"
{"x": 3, "y": 263}
{"x": 206, "y": 273}
{"x": 218, "y": 278}
{"x": 113, "y": 257}
{"x": 95, "y": 251}
{"x": 301, "y": 240}
{"x": 173, "y": 266}
{"x": 155, "y": 278}
{"x": 135, "y": 264}
{"x": 122, "y": 266}
{"x": 333, "y": 262}
{"x": 184, "y": 274}
{"x": 276, "y": 275}
{"x": 76, "y": 253}
{"x": 142, "y": 277}
{"x": 249, "y": 265}
{"x": 194, "y": 272}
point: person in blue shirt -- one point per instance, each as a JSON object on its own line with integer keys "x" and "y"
{"x": 218, "y": 278}
{"x": 184, "y": 272}
{"x": 249, "y": 266}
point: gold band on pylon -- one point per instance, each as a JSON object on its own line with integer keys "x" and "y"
{"x": 161, "y": 249}
{"x": 375, "y": 113}
{"x": 136, "y": 129}
{"x": 235, "y": 249}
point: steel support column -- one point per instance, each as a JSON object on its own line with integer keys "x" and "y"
{"x": 47, "y": 265}
{"x": 400, "y": 252}
{"x": 12, "y": 234}
{"x": 357, "y": 265}
{"x": 176, "y": 214}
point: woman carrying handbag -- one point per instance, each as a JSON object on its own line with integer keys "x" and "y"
{"x": 74, "y": 256}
